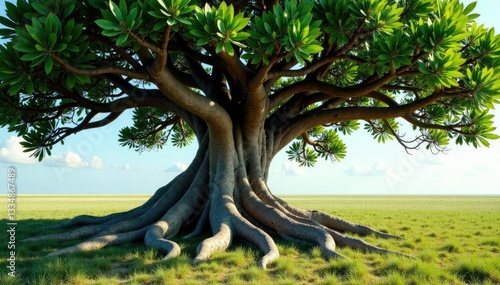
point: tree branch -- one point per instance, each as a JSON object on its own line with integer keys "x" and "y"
{"x": 99, "y": 71}
{"x": 162, "y": 54}
{"x": 118, "y": 49}
{"x": 303, "y": 122}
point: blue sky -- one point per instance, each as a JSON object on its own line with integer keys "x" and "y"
{"x": 92, "y": 162}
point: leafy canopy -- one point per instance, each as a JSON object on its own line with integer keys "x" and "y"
{"x": 71, "y": 65}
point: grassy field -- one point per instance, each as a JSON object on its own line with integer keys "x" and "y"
{"x": 457, "y": 241}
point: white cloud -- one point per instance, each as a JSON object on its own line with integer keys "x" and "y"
{"x": 376, "y": 169}
{"x": 292, "y": 168}
{"x": 123, "y": 167}
{"x": 177, "y": 167}
{"x": 12, "y": 152}
{"x": 74, "y": 160}
{"x": 96, "y": 163}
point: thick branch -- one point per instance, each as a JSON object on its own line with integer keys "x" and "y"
{"x": 212, "y": 113}
{"x": 303, "y": 122}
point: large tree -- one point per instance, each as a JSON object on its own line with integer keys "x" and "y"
{"x": 245, "y": 79}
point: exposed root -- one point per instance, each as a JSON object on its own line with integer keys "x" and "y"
{"x": 343, "y": 240}
{"x": 78, "y": 233}
{"x": 289, "y": 229}
{"x": 84, "y": 220}
{"x": 154, "y": 239}
{"x": 335, "y": 223}
{"x": 262, "y": 240}
{"x": 219, "y": 242}
{"x": 102, "y": 241}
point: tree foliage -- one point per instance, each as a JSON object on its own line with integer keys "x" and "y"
{"x": 325, "y": 66}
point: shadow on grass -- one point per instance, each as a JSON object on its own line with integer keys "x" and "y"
{"x": 33, "y": 266}
{"x": 117, "y": 264}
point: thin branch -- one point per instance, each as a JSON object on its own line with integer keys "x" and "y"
{"x": 451, "y": 128}
{"x": 400, "y": 139}
{"x": 99, "y": 71}
{"x": 38, "y": 110}
{"x": 144, "y": 43}
{"x": 162, "y": 55}
{"x": 118, "y": 49}
{"x": 184, "y": 48}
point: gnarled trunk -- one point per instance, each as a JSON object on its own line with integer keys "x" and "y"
{"x": 224, "y": 189}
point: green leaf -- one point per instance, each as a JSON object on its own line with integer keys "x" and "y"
{"x": 29, "y": 86}
{"x": 25, "y": 48}
{"x": 108, "y": 25}
{"x": 470, "y": 8}
{"x": 52, "y": 40}
{"x": 32, "y": 56}
{"x": 115, "y": 10}
{"x": 312, "y": 48}
{"x": 219, "y": 47}
{"x": 49, "y": 63}
{"x": 111, "y": 33}
{"x": 121, "y": 39}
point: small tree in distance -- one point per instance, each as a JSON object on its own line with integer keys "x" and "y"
{"x": 245, "y": 79}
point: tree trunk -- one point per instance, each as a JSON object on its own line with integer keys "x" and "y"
{"x": 224, "y": 190}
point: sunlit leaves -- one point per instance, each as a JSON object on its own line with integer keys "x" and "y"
{"x": 382, "y": 130}
{"x": 119, "y": 20}
{"x": 321, "y": 143}
{"x": 413, "y": 10}
{"x": 481, "y": 129}
{"x": 378, "y": 15}
{"x": 483, "y": 46}
{"x": 290, "y": 29}
{"x": 172, "y": 12}
{"x": 330, "y": 146}
{"x": 442, "y": 70}
{"x": 486, "y": 87}
{"x": 394, "y": 50}
{"x": 436, "y": 139}
{"x": 305, "y": 156}
{"x": 336, "y": 20}
{"x": 347, "y": 127}
{"x": 343, "y": 73}
{"x": 219, "y": 25}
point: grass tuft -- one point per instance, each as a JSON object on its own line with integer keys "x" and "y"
{"x": 478, "y": 271}
{"x": 346, "y": 269}
{"x": 252, "y": 274}
{"x": 452, "y": 248}
{"x": 393, "y": 278}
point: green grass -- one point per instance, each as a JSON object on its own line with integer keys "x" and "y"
{"x": 457, "y": 241}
